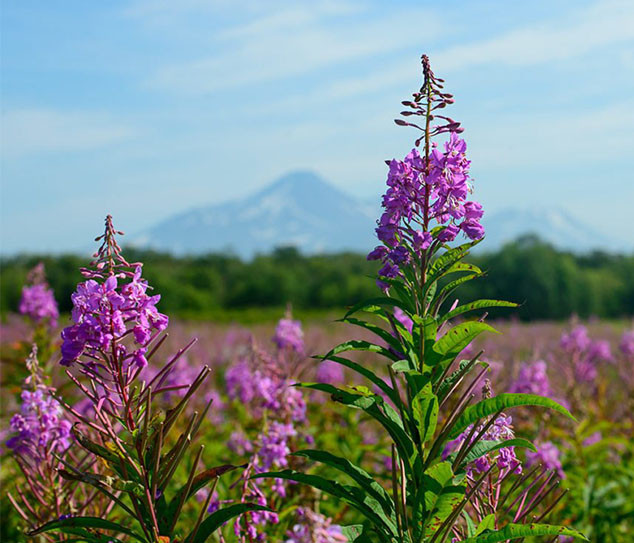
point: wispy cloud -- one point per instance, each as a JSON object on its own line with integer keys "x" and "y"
{"x": 293, "y": 42}
{"x": 603, "y": 23}
{"x": 28, "y": 131}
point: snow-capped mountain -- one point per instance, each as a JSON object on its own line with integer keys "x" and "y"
{"x": 303, "y": 210}
{"x": 553, "y": 225}
{"x": 299, "y": 209}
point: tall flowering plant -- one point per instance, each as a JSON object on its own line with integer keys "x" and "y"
{"x": 445, "y": 449}
{"x": 40, "y": 438}
{"x": 116, "y": 329}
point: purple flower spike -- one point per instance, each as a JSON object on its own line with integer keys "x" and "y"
{"x": 289, "y": 334}
{"x": 38, "y": 302}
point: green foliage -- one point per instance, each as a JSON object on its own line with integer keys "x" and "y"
{"x": 549, "y": 284}
{"x": 428, "y": 493}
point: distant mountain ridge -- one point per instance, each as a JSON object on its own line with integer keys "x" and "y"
{"x": 301, "y": 209}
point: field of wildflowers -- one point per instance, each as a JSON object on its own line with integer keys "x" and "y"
{"x": 408, "y": 421}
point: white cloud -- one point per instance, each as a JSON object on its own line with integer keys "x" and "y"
{"x": 27, "y": 131}
{"x": 603, "y": 23}
{"x": 292, "y": 42}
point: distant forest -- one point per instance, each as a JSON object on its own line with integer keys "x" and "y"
{"x": 550, "y": 284}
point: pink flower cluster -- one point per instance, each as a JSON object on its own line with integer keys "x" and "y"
{"x": 500, "y": 430}
{"x": 38, "y": 303}
{"x": 585, "y": 353}
{"x": 421, "y": 190}
{"x": 548, "y": 455}
{"x": 40, "y": 428}
{"x": 105, "y": 313}
{"x": 289, "y": 335}
{"x": 313, "y": 527}
{"x": 533, "y": 379}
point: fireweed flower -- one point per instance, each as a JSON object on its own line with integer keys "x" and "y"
{"x": 585, "y": 353}
{"x": 260, "y": 383}
{"x": 500, "y": 430}
{"x": 592, "y": 439}
{"x": 313, "y": 527}
{"x": 40, "y": 427}
{"x": 532, "y": 379}
{"x": 114, "y": 322}
{"x": 289, "y": 335}
{"x": 426, "y": 190}
{"x": 329, "y": 372}
{"x": 576, "y": 340}
{"x": 548, "y": 455}
{"x": 37, "y": 301}
{"x": 626, "y": 345}
{"x": 105, "y": 312}
{"x": 40, "y": 434}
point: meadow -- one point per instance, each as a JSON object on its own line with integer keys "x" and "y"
{"x": 415, "y": 417}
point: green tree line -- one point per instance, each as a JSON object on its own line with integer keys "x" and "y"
{"x": 550, "y": 284}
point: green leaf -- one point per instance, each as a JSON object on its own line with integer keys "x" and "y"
{"x": 478, "y": 304}
{"x": 490, "y": 406}
{"x": 446, "y": 290}
{"x": 425, "y": 410}
{"x": 463, "y": 368}
{"x": 365, "y": 372}
{"x": 455, "y": 340}
{"x": 357, "y": 474}
{"x": 217, "y": 519}
{"x": 358, "y": 345}
{"x": 485, "y": 447}
{"x": 440, "y": 496}
{"x": 380, "y": 301}
{"x": 377, "y": 330}
{"x": 515, "y": 531}
{"x": 200, "y": 481}
{"x": 487, "y": 523}
{"x": 377, "y": 408}
{"x": 470, "y": 526}
{"x": 352, "y": 495}
{"x": 354, "y": 533}
{"x": 84, "y": 522}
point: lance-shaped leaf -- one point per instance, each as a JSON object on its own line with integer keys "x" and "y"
{"x": 359, "y": 345}
{"x": 472, "y": 306}
{"x": 515, "y": 531}
{"x": 357, "y": 474}
{"x": 220, "y": 517}
{"x": 486, "y": 446}
{"x": 380, "y": 301}
{"x": 445, "y": 386}
{"x": 490, "y": 406}
{"x": 455, "y": 340}
{"x": 437, "y": 498}
{"x": 378, "y": 409}
{"x": 355, "y": 534}
{"x": 84, "y": 522}
{"x": 425, "y": 410}
{"x": 447, "y": 289}
{"x": 365, "y": 372}
{"x": 449, "y": 263}
{"x": 352, "y": 495}
{"x": 378, "y": 331}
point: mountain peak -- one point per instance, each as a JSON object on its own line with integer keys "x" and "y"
{"x": 300, "y": 209}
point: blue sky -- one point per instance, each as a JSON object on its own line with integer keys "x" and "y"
{"x": 145, "y": 108}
